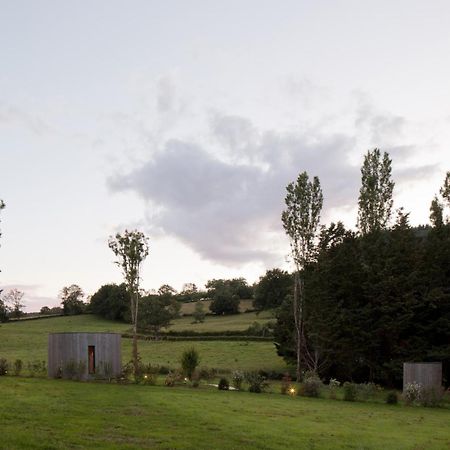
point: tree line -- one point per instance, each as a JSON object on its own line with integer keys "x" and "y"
{"x": 363, "y": 302}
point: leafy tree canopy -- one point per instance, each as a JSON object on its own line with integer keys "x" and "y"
{"x": 375, "y": 196}
{"x": 111, "y": 301}
{"x": 272, "y": 289}
{"x": 72, "y": 300}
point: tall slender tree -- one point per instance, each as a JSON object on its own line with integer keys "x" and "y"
{"x": 2, "y": 205}
{"x": 375, "y": 196}
{"x": 436, "y": 212}
{"x": 445, "y": 189}
{"x": 131, "y": 248}
{"x": 300, "y": 219}
{"x": 437, "y": 206}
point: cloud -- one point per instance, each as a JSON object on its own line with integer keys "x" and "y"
{"x": 382, "y": 128}
{"x": 222, "y": 191}
{"x": 228, "y": 210}
{"x": 32, "y": 122}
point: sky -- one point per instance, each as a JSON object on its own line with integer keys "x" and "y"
{"x": 187, "y": 119}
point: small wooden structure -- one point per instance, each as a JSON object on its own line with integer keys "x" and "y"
{"x": 428, "y": 374}
{"x": 84, "y": 356}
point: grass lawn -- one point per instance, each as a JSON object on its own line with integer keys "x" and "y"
{"x": 57, "y": 414}
{"x": 225, "y": 356}
{"x": 27, "y": 340}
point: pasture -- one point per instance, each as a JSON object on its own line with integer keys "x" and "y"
{"x": 27, "y": 340}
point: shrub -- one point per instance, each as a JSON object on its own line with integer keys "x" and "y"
{"x": 164, "y": 370}
{"x": 17, "y": 367}
{"x": 3, "y": 367}
{"x": 150, "y": 378}
{"x": 333, "y": 387}
{"x": 36, "y": 368}
{"x": 432, "y": 397}
{"x": 224, "y": 385}
{"x": 237, "y": 379}
{"x": 350, "y": 391}
{"x": 146, "y": 374}
{"x": 366, "y": 390}
{"x": 172, "y": 378}
{"x": 311, "y": 385}
{"x": 207, "y": 374}
{"x": 195, "y": 381}
{"x": 285, "y": 384}
{"x": 256, "y": 382}
{"x": 412, "y": 393}
{"x": 189, "y": 362}
{"x": 392, "y": 398}
{"x": 125, "y": 373}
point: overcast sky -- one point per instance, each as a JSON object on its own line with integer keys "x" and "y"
{"x": 187, "y": 119}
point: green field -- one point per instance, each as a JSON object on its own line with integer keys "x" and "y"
{"x": 57, "y": 414}
{"x": 27, "y": 340}
{"x": 235, "y": 322}
{"x": 189, "y": 307}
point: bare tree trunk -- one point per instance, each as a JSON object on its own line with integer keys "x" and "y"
{"x": 298, "y": 319}
{"x": 135, "y": 343}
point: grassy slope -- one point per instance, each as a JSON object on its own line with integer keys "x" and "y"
{"x": 235, "y": 322}
{"x": 188, "y": 308}
{"x": 27, "y": 340}
{"x": 101, "y": 416}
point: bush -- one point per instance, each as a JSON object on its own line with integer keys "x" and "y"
{"x": 3, "y": 367}
{"x": 37, "y": 368}
{"x": 256, "y": 382}
{"x": 18, "y": 367}
{"x": 172, "y": 378}
{"x": 392, "y": 398}
{"x": 195, "y": 381}
{"x": 333, "y": 387}
{"x": 311, "y": 385}
{"x": 432, "y": 397}
{"x": 366, "y": 390}
{"x": 149, "y": 378}
{"x": 125, "y": 373}
{"x": 207, "y": 374}
{"x": 285, "y": 384}
{"x": 189, "y": 362}
{"x": 237, "y": 379}
{"x": 350, "y": 391}
{"x": 164, "y": 370}
{"x": 412, "y": 393}
{"x": 224, "y": 385}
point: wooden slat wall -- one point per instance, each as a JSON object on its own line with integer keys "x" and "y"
{"x": 429, "y": 375}
{"x": 65, "y": 347}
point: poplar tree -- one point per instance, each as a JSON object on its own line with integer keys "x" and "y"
{"x": 436, "y": 213}
{"x": 445, "y": 189}
{"x": 300, "y": 219}
{"x": 131, "y": 248}
{"x": 375, "y": 196}
{"x": 2, "y": 205}
{"x": 437, "y": 207}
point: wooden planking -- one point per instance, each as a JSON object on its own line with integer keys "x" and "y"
{"x": 429, "y": 375}
{"x": 66, "y": 347}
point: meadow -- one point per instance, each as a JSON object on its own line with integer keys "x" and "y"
{"x": 38, "y": 413}
{"x": 58, "y": 414}
{"x": 27, "y": 340}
